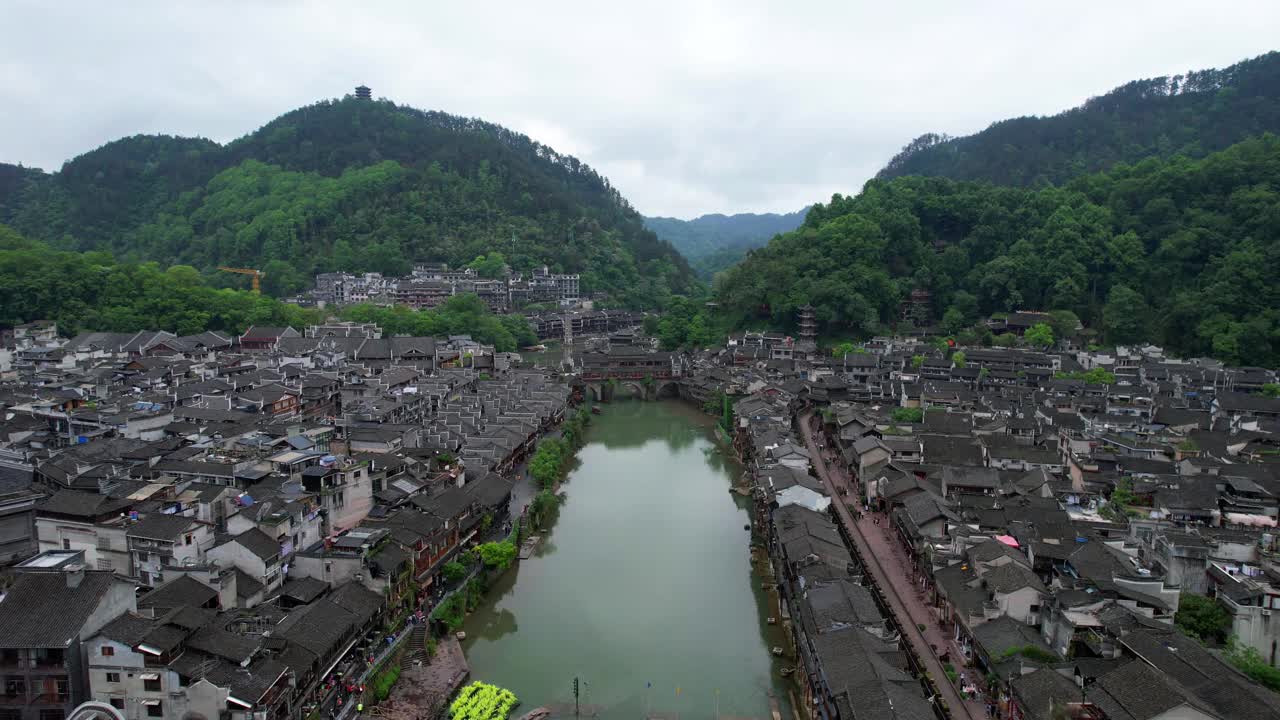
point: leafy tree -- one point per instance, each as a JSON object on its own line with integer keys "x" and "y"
{"x": 917, "y": 361}
{"x": 1271, "y": 390}
{"x": 958, "y": 359}
{"x": 1064, "y": 323}
{"x": 907, "y": 415}
{"x": 454, "y": 571}
{"x": 497, "y": 555}
{"x": 843, "y": 349}
{"x": 1006, "y": 340}
{"x": 1121, "y": 495}
{"x": 1125, "y": 315}
{"x": 953, "y": 321}
{"x": 492, "y": 265}
{"x": 548, "y": 461}
{"x": 1202, "y": 618}
{"x": 1040, "y": 335}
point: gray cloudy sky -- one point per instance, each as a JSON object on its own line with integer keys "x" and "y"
{"x": 688, "y": 107}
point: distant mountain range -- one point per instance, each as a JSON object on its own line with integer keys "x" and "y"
{"x": 714, "y": 242}
{"x": 1195, "y": 114}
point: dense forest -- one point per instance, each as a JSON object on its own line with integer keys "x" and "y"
{"x": 93, "y": 291}
{"x": 1192, "y": 115}
{"x": 347, "y": 185}
{"x": 1177, "y": 251}
{"x": 714, "y": 242}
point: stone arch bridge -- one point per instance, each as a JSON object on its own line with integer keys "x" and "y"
{"x": 648, "y": 376}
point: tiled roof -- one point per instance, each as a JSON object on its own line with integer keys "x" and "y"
{"x": 42, "y": 610}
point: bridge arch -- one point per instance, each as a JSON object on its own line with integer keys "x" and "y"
{"x": 94, "y": 710}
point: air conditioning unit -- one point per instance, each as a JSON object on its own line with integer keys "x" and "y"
{"x": 1266, "y": 612}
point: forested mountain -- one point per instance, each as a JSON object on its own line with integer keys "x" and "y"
{"x": 1192, "y": 115}
{"x": 714, "y": 242}
{"x": 1177, "y": 251}
{"x": 349, "y": 184}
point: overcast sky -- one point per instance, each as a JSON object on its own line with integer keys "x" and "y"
{"x": 687, "y": 107}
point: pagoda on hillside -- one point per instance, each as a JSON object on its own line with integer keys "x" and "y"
{"x": 808, "y": 331}
{"x": 363, "y": 93}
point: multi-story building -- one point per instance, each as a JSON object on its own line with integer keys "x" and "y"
{"x": 88, "y": 523}
{"x": 17, "y": 515}
{"x": 159, "y": 540}
{"x": 53, "y": 607}
{"x": 345, "y": 490}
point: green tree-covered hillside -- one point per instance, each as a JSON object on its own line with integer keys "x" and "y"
{"x": 1192, "y": 114}
{"x": 1181, "y": 252}
{"x": 353, "y": 185}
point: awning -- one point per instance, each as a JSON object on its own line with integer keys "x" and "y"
{"x": 1007, "y": 540}
{"x": 150, "y": 676}
{"x": 149, "y": 650}
{"x": 151, "y": 703}
{"x": 238, "y": 701}
{"x": 1253, "y": 520}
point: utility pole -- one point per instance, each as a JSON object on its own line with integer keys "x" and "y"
{"x": 575, "y": 697}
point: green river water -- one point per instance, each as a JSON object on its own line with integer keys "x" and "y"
{"x": 643, "y": 590}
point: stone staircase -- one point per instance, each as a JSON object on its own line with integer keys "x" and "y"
{"x": 415, "y": 646}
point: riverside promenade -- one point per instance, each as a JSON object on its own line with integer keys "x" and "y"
{"x": 891, "y": 571}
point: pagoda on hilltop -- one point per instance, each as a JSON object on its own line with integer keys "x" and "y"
{"x": 363, "y": 93}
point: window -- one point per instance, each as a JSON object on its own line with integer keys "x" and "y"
{"x": 15, "y": 687}
{"x": 108, "y": 651}
{"x": 106, "y": 564}
{"x": 151, "y": 684}
{"x": 52, "y": 715}
{"x": 190, "y": 537}
{"x": 155, "y": 709}
{"x": 66, "y": 544}
{"x": 113, "y": 677}
{"x": 64, "y": 688}
{"x": 117, "y": 703}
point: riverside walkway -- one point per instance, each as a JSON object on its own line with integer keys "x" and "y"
{"x": 892, "y": 574}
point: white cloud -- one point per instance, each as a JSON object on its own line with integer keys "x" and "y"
{"x": 688, "y": 107}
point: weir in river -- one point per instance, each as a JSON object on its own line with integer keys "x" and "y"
{"x": 643, "y": 590}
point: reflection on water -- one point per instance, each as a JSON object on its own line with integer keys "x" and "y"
{"x": 643, "y": 586}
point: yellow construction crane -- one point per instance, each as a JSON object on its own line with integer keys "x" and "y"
{"x": 257, "y": 276}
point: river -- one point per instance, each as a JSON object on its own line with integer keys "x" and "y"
{"x": 643, "y": 589}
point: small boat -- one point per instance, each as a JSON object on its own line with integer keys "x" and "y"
{"x": 595, "y": 409}
{"x": 536, "y": 714}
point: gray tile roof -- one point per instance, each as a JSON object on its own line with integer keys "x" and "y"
{"x": 159, "y": 526}
{"x": 258, "y": 543}
{"x": 42, "y": 610}
{"x": 183, "y": 591}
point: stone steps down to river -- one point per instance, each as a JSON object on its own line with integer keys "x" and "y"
{"x": 528, "y": 547}
{"x": 416, "y": 650}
